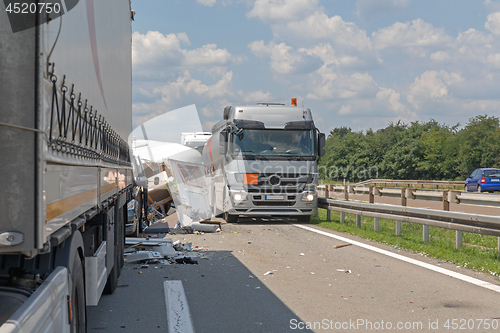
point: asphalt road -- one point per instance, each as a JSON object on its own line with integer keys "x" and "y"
{"x": 343, "y": 289}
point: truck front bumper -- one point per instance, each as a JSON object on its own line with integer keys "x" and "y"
{"x": 257, "y": 204}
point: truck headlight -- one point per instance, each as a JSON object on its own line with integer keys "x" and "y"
{"x": 309, "y": 196}
{"x": 239, "y": 196}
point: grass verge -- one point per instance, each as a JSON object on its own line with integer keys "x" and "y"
{"x": 478, "y": 252}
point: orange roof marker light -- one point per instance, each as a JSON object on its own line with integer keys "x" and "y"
{"x": 294, "y": 102}
{"x": 251, "y": 179}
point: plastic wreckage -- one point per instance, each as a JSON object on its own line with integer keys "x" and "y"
{"x": 163, "y": 251}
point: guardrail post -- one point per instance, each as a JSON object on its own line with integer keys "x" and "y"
{"x": 498, "y": 251}
{"x": 358, "y": 221}
{"x": 446, "y": 203}
{"x": 327, "y": 191}
{"x": 403, "y": 197}
{"x": 328, "y": 217}
{"x": 371, "y": 195}
{"x": 375, "y": 224}
{"x": 342, "y": 217}
{"x": 346, "y": 192}
{"x": 398, "y": 228}
{"x": 425, "y": 233}
{"x": 458, "y": 240}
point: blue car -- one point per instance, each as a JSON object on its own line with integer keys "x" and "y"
{"x": 483, "y": 180}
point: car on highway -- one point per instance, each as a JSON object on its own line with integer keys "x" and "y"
{"x": 483, "y": 180}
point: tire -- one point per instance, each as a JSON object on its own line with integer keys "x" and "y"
{"x": 303, "y": 218}
{"x": 466, "y": 188}
{"x": 479, "y": 190}
{"x": 112, "y": 281}
{"x": 79, "y": 322}
{"x": 229, "y": 218}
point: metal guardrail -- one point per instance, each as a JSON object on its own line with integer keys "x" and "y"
{"x": 415, "y": 183}
{"x": 458, "y": 221}
{"x": 445, "y": 196}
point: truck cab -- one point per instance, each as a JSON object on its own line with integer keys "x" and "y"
{"x": 262, "y": 161}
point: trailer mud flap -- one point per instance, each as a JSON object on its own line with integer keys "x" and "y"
{"x": 96, "y": 275}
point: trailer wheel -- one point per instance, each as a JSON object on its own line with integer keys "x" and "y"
{"x": 79, "y": 322}
{"x": 112, "y": 281}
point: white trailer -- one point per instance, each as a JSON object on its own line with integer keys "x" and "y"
{"x": 66, "y": 112}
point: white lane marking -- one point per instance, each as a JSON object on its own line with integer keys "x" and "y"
{"x": 178, "y": 315}
{"x": 441, "y": 270}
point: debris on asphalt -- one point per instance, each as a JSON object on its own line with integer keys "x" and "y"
{"x": 269, "y": 272}
{"x": 186, "y": 260}
{"x": 205, "y": 227}
{"x": 302, "y": 254}
{"x": 341, "y": 245}
{"x": 163, "y": 251}
{"x": 344, "y": 270}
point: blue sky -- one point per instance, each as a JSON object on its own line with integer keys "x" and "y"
{"x": 360, "y": 64}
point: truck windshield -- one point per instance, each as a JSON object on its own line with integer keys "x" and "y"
{"x": 274, "y": 142}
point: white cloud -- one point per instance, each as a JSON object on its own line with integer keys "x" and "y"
{"x": 334, "y": 29}
{"x": 331, "y": 85}
{"x": 208, "y": 54}
{"x": 392, "y": 98}
{"x": 440, "y": 56}
{"x": 494, "y": 59}
{"x": 260, "y": 49}
{"x": 285, "y": 59}
{"x": 154, "y": 52}
{"x": 416, "y": 33}
{"x": 431, "y": 85}
{"x": 493, "y": 23}
{"x": 345, "y": 110}
{"x": 256, "y": 96}
{"x": 369, "y": 8}
{"x": 208, "y": 3}
{"x": 474, "y": 37}
{"x": 282, "y": 10}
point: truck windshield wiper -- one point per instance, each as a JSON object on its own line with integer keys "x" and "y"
{"x": 256, "y": 155}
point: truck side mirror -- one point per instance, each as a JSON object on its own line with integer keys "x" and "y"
{"x": 321, "y": 144}
{"x": 227, "y": 111}
{"x": 223, "y": 141}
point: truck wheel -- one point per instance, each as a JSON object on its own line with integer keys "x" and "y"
{"x": 303, "y": 218}
{"x": 79, "y": 323}
{"x": 112, "y": 281}
{"x": 230, "y": 218}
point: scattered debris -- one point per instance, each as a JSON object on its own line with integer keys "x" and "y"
{"x": 268, "y": 273}
{"x": 205, "y": 227}
{"x": 302, "y": 254}
{"x": 161, "y": 251}
{"x": 341, "y": 245}
{"x": 186, "y": 260}
{"x": 344, "y": 270}
{"x": 257, "y": 288}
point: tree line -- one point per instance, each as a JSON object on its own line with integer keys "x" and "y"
{"x": 420, "y": 150}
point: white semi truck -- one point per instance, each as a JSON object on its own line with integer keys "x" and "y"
{"x": 65, "y": 101}
{"x": 262, "y": 161}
